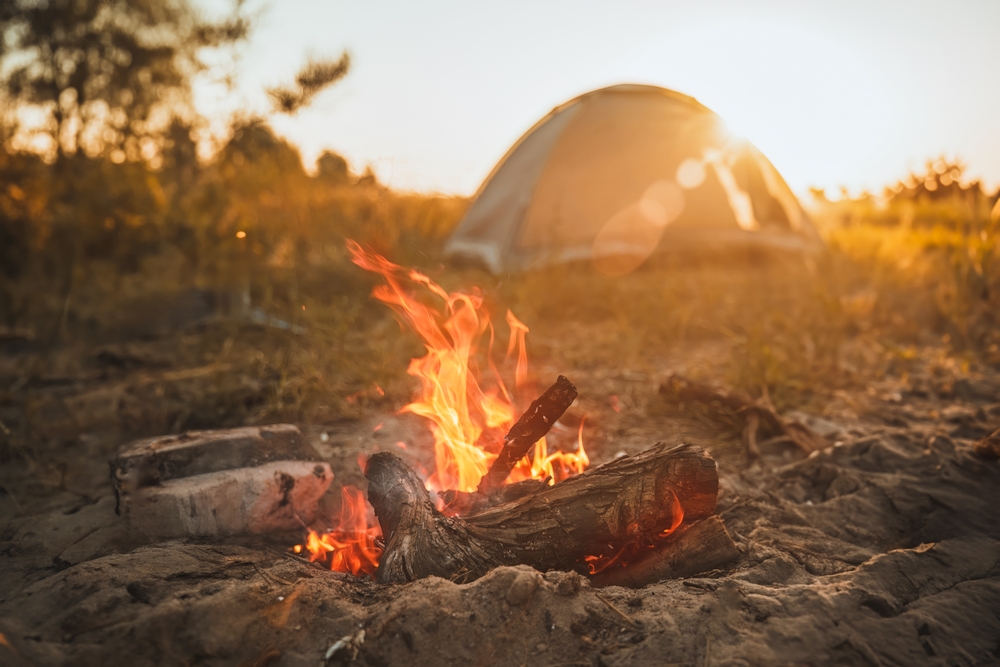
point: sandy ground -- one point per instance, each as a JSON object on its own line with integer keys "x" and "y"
{"x": 883, "y": 549}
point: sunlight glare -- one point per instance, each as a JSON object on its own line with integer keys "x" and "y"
{"x": 807, "y": 101}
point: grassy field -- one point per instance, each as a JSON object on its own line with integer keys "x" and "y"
{"x": 233, "y": 301}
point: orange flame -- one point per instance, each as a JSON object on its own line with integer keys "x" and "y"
{"x": 468, "y": 414}
{"x": 555, "y": 466}
{"x": 628, "y": 551}
{"x": 350, "y": 547}
{"x": 517, "y": 333}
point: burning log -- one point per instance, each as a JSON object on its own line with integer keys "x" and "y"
{"x": 533, "y": 425}
{"x": 693, "y": 548}
{"x": 529, "y": 429}
{"x": 633, "y": 499}
{"x": 753, "y": 418}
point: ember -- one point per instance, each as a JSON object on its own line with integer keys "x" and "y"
{"x": 627, "y": 553}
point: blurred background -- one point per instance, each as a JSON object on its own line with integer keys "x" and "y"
{"x": 178, "y": 180}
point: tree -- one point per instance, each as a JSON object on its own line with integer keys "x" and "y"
{"x": 314, "y": 76}
{"x": 104, "y": 76}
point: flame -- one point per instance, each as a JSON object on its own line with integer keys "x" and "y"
{"x": 556, "y": 466}
{"x": 469, "y": 413}
{"x": 350, "y": 547}
{"x": 633, "y": 545}
{"x": 517, "y": 332}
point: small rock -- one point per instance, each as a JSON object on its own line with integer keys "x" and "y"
{"x": 989, "y": 447}
{"x": 522, "y": 588}
{"x": 566, "y": 583}
{"x": 541, "y": 647}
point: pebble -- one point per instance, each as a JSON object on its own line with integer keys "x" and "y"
{"x": 522, "y": 588}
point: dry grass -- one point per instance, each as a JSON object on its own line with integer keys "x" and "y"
{"x": 133, "y": 322}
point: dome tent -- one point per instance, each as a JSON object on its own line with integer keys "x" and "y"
{"x": 621, "y": 173}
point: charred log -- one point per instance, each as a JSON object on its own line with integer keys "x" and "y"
{"x": 529, "y": 429}
{"x": 461, "y": 502}
{"x": 628, "y": 499}
{"x": 754, "y": 419}
{"x": 692, "y": 548}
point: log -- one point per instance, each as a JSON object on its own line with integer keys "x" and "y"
{"x": 596, "y": 513}
{"x": 529, "y": 429}
{"x": 691, "y": 549}
{"x": 752, "y": 418}
{"x": 152, "y": 461}
{"x": 223, "y": 482}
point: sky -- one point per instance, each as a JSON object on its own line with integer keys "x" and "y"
{"x": 851, "y": 93}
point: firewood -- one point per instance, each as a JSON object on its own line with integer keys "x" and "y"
{"x": 752, "y": 418}
{"x": 461, "y": 502}
{"x": 529, "y": 429}
{"x": 628, "y": 499}
{"x": 224, "y": 482}
{"x": 692, "y": 548}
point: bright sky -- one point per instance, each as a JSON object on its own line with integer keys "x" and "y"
{"x": 852, "y": 92}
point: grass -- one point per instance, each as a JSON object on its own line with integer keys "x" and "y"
{"x": 901, "y": 281}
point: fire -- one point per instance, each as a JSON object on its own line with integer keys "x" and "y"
{"x": 469, "y": 411}
{"x": 627, "y": 553}
{"x": 544, "y": 465}
{"x": 351, "y": 546}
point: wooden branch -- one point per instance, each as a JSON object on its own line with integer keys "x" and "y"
{"x": 630, "y": 498}
{"x": 753, "y": 418}
{"x": 691, "y": 549}
{"x": 529, "y": 429}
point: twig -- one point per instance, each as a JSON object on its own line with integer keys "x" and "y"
{"x": 273, "y": 577}
{"x": 529, "y": 429}
{"x": 618, "y": 611}
{"x": 262, "y": 573}
{"x": 300, "y": 559}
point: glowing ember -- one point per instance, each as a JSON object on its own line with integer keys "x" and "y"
{"x": 627, "y": 553}
{"x": 351, "y": 546}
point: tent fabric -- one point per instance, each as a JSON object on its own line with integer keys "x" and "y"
{"x": 619, "y": 174}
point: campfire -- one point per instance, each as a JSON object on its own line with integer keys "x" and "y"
{"x": 496, "y": 495}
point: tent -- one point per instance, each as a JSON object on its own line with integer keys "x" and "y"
{"x": 622, "y": 173}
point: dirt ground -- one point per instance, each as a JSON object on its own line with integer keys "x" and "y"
{"x": 883, "y": 549}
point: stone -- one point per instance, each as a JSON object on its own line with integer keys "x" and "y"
{"x": 522, "y": 588}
